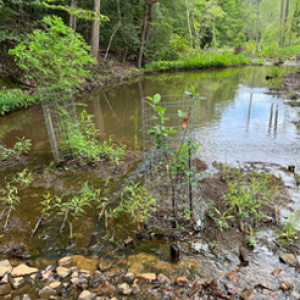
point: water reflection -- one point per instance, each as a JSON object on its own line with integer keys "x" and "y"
{"x": 237, "y": 115}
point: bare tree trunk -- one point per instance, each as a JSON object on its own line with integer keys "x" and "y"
{"x": 257, "y": 24}
{"x": 194, "y": 26}
{"x": 214, "y": 33}
{"x": 73, "y": 18}
{"x": 122, "y": 30}
{"x": 281, "y": 22}
{"x": 95, "y": 36}
{"x": 286, "y": 15}
{"x": 287, "y": 8}
{"x": 189, "y": 25}
{"x": 146, "y": 30}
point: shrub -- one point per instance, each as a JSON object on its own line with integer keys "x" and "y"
{"x": 14, "y": 99}
{"x": 198, "y": 61}
{"x": 55, "y": 55}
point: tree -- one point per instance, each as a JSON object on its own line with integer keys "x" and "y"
{"x": 146, "y": 30}
{"x": 73, "y": 18}
{"x": 95, "y": 36}
{"x": 257, "y": 24}
{"x": 55, "y": 55}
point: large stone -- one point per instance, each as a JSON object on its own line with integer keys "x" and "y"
{"x": 290, "y": 259}
{"x": 86, "y": 295}
{"x": 23, "y": 270}
{"x": 5, "y": 263}
{"x": 55, "y": 285}
{"x": 63, "y": 272}
{"x": 182, "y": 281}
{"x": 17, "y": 282}
{"x": 146, "y": 277}
{"x": 124, "y": 289}
{"x": 5, "y": 270}
{"x": 5, "y": 289}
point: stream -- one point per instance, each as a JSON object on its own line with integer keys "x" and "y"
{"x": 238, "y": 120}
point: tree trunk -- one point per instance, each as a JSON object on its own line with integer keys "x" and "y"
{"x": 73, "y": 19}
{"x": 188, "y": 22}
{"x": 287, "y": 8}
{"x": 281, "y": 22}
{"x": 257, "y": 24}
{"x": 95, "y": 36}
{"x": 214, "y": 34}
{"x": 146, "y": 30}
{"x": 194, "y": 26}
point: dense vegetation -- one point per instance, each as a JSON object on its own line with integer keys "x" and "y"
{"x": 153, "y": 30}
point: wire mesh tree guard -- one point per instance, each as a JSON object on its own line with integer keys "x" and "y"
{"x": 60, "y": 118}
{"x": 171, "y": 185}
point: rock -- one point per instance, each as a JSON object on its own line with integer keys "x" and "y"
{"x": 247, "y": 294}
{"x": 5, "y": 263}
{"x": 124, "y": 289}
{"x": 26, "y": 297}
{"x": 146, "y": 277}
{"x": 290, "y": 259}
{"x": 55, "y": 285}
{"x": 63, "y": 272}
{"x": 182, "y": 281}
{"x": 17, "y": 282}
{"x": 277, "y": 271}
{"x": 86, "y": 295}
{"x": 5, "y": 279}
{"x": 129, "y": 277}
{"x": 128, "y": 242}
{"x": 46, "y": 292}
{"x": 115, "y": 272}
{"x": 175, "y": 252}
{"x": 5, "y": 270}
{"x": 163, "y": 279}
{"x": 5, "y": 289}
{"x": 105, "y": 288}
{"x": 135, "y": 289}
{"x": 23, "y": 270}
{"x": 104, "y": 266}
{"x": 80, "y": 262}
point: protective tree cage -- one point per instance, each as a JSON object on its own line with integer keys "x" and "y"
{"x": 173, "y": 188}
{"x": 60, "y": 118}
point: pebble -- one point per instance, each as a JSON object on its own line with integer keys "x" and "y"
{"x": 290, "y": 259}
{"x": 86, "y": 295}
{"x": 146, "y": 277}
{"x": 63, "y": 272}
{"x": 124, "y": 289}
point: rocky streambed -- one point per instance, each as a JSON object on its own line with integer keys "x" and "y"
{"x": 142, "y": 276}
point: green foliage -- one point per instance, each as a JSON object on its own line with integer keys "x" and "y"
{"x": 21, "y": 147}
{"x": 14, "y": 99}
{"x": 10, "y": 194}
{"x": 251, "y": 237}
{"x": 54, "y": 56}
{"x": 290, "y": 228}
{"x": 220, "y": 218}
{"x": 135, "y": 119}
{"x": 199, "y": 61}
{"x": 239, "y": 42}
{"x": 248, "y": 192}
{"x": 136, "y": 202}
{"x": 83, "y": 143}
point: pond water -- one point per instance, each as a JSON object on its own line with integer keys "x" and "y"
{"x": 237, "y": 118}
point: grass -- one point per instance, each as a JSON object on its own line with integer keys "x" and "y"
{"x": 283, "y": 52}
{"x": 199, "y": 61}
{"x": 14, "y": 99}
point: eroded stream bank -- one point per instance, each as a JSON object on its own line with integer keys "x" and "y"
{"x": 236, "y": 120}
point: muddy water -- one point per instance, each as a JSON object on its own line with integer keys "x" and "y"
{"x": 236, "y": 119}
